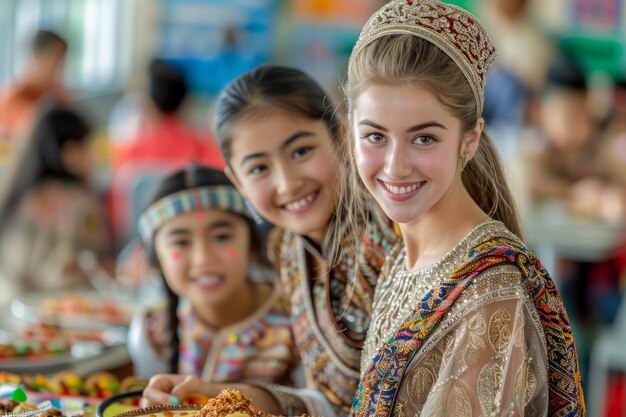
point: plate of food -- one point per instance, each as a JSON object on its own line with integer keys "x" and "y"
{"x": 73, "y": 309}
{"x": 43, "y": 348}
{"x": 229, "y": 403}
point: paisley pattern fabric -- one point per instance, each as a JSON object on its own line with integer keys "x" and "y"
{"x": 490, "y": 337}
{"x": 330, "y": 308}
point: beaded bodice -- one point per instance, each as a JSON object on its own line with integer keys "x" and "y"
{"x": 399, "y": 290}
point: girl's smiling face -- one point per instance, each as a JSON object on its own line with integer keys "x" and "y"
{"x": 204, "y": 256}
{"x": 408, "y": 149}
{"x": 286, "y": 165}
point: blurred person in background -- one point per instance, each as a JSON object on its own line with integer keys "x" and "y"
{"x": 566, "y": 160}
{"x": 39, "y": 82}
{"x": 166, "y": 136}
{"x": 524, "y": 53}
{"x": 613, "y": 150}
{"x": 612, "y": 169}
{"x": 559, "y": 153}
{"x": 48, "y": 213}
{"x": 164, "y": 140}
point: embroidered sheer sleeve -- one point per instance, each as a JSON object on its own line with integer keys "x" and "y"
{"x": 487, "y": 359}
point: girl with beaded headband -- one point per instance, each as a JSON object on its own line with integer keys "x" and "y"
{"x": 218, "y": 324}
{"x": 465, "y": 321}
{"x": 279, "y": 137}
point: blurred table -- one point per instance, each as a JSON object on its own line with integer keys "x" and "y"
{"x": 96, "y": 345}
{"x": 553, "y": 233}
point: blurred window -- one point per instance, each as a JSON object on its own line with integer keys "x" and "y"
{"x": 98, "y": 33}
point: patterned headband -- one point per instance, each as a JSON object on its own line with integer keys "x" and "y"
{"x": 452, "y": 29}
{"x": 222, "y": 197}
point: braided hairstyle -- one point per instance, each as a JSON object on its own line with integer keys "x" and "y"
{"x": 190, "y": 177}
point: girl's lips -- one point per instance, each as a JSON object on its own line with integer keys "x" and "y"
{"x": 301, "y": 205}
{"x": 401, "y": 192}
{"x": 208, "y": 282}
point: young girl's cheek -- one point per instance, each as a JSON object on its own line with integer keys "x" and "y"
{"x": 171, "y": 258}
{"x": 236, "y": 251}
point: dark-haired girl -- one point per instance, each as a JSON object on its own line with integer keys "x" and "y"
{"x": 218, "y": 323}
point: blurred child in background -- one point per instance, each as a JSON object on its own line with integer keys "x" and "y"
{"x": 164, "y": 141}
{"x": 559, "y": 161}
{"x": 39, "y": 82}
{"x": 218, "y": 323}
{"x": 48, "y": 213}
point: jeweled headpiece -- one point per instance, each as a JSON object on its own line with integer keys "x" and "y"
{"x": 222, "y": 197}
{"x": 452, "y": 29}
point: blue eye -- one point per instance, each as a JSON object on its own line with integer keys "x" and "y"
{"x": 300, "y": 152}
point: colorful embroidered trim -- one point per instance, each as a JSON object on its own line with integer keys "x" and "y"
{"x": 377, "y": 392}
{"x": 221, "y": 197}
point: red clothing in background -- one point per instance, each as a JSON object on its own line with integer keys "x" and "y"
{"x": 168, "y": 140}
{"x": 18, "y": 104}
{"x": 159, "y": 148}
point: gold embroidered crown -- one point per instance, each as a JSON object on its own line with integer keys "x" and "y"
{"x": 453, "y": 29}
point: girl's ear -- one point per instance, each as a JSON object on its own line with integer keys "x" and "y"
{"x": 472, "y": 139}
{"x": 233, "y": 178}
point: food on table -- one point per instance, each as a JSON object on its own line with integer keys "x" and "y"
{"x": 79, "y": 306}
{"x": 9, "y": 378}
{"x": 41, "y": 341}
{"x": 7, "y": 405}
{"x": 195, "y": 399}
{"x": 231, "y": 403}
{"x": 39, "y": 383}
{"x": 102, "y": 385}
{"x": 97, "y": 385}
{"x": 133, "y": 383}
{"x": 68, "y": 383}
{"x": 228, "y": 402}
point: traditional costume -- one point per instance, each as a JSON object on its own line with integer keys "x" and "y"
{"x": 330, "y": 312}
{"x": 483, "y": 331}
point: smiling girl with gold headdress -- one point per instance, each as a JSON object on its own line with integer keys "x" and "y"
{"x": 466, "y": 321}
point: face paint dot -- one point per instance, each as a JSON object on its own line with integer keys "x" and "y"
{"x": 199, "y": 214}
{"x": 231, "y": 251}
{"x": 240, "y": 247}
{"x": 176, "y": 255}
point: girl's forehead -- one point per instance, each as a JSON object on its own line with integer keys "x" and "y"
{"x": 200, "y": 219}
{"x": 271, "y": 134}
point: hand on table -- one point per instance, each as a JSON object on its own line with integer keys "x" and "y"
{"x": 174, "y": 389}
